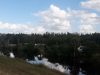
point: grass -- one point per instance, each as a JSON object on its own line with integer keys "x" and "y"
{"x": 17, "y": 66}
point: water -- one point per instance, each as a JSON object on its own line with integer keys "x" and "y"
{"x": 11, "y": 55}
{"x": 50, "y": 65}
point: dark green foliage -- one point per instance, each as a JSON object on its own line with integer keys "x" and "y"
{"x": 61, "y": 48}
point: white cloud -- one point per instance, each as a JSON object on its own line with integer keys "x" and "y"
{"x": 91, "y": 4}
{"x": 86, "y": 20}
{"x": 55, "y": 20}
{"x": 87, "y": 29}
{"x": 91, "y": 19}
{"x": 20, "y": 28}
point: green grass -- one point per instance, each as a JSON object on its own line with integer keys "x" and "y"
{"x": 16, "y": 66}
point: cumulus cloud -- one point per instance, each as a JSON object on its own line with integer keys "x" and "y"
{"x": 90, "y": 19}
{"x": 86, "y": 20}
{"x": 91, "y": 4}
{"x": 20, "y": 28}
{"x": 55, "y": 19}
{"x": 87, "y": 29}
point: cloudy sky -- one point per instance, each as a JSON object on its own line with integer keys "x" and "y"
{"x": 40, "y": 16}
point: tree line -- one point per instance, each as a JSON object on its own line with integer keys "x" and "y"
{"x": 57, "y": 47}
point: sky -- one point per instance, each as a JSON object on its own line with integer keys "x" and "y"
{"x": 40, "y": 16}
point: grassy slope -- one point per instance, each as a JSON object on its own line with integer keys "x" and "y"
{"x": 19, "y": 67}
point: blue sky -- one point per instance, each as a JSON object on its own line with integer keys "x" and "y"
{"x": 19, "y": 14}
{"x": 20, "y": 11}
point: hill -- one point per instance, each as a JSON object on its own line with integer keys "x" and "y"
{"x": 17, "y": 66}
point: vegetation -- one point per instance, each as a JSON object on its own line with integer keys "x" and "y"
{"x": 19, "y": 67}
{"x": 61, "y": 48}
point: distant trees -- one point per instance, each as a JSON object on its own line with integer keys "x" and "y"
{"x": 57, "y": 47}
